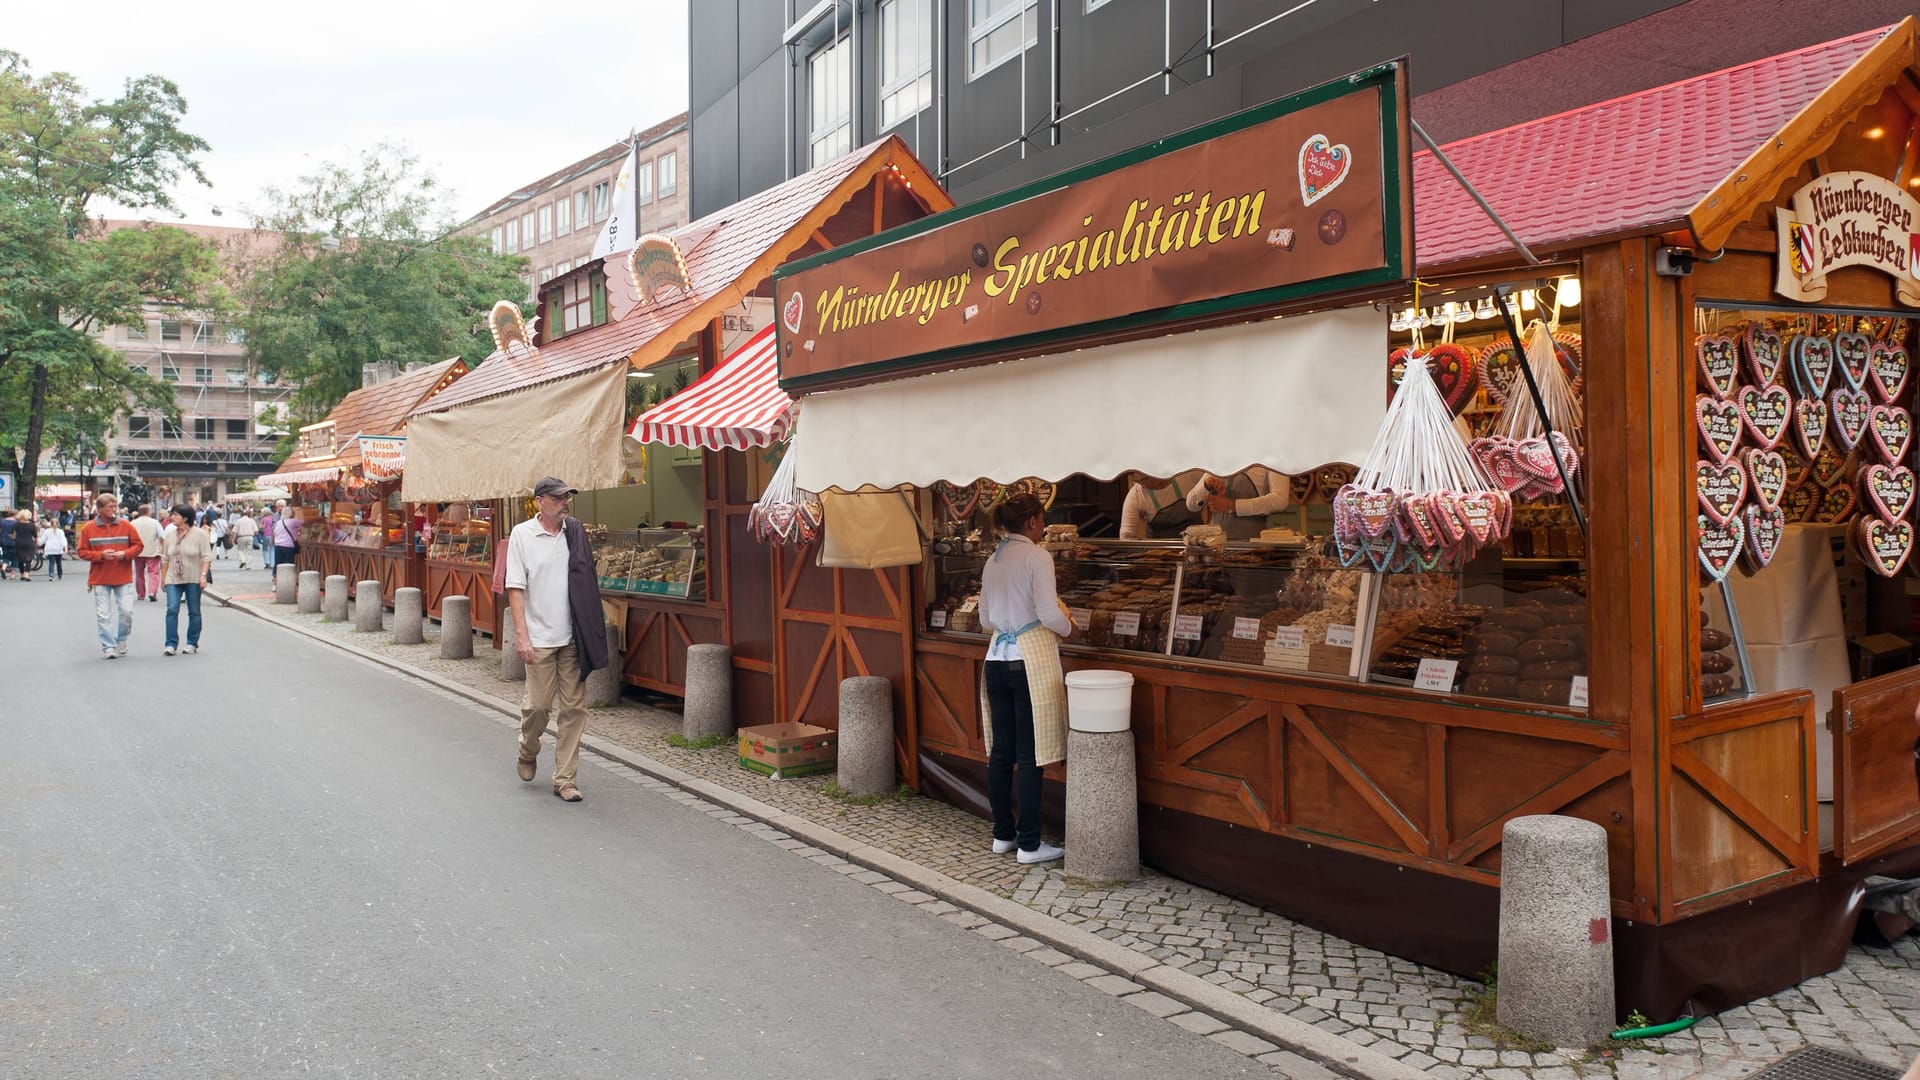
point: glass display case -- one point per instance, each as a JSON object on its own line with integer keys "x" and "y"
{"x": 463, "y": 533}
{"x": 658, "y": 562}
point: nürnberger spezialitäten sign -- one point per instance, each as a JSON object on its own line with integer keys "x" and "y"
{"x": 1301, "y": 198}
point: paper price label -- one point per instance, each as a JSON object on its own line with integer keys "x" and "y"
{"x": 1578, "y": 699}
{"x": 1289, "y": 637}
{"x": 939, "y": 619}
{"x": 1340, "y": 635}
{"x": 970, "y": 605}
{"x": 1436, "y": 675}
{"x": 1188, "y": 627}
{"x": 1126, "y": 624}
{"x": 1082, "y": 617}
{"x": 1246, "y": 629}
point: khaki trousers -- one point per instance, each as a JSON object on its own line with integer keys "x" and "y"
{"x": 554, "y": 672}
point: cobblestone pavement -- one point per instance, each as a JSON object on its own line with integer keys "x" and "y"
{"x": 1869, "y": 1007}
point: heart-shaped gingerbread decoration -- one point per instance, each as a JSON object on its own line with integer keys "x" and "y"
{"x": 1837, "y": 505}
{"x": 1720, "y": 488}
{"x": 1813, "y": 365}
{"x": 960, "y": 501}
{"x": 1798, "y": 467}
{"x": 1849, "y": 410}
{"x": 1887, "y": 370}
{"x": 1381, "y": 551}
{"x": 1481, "y": 514}
{"x": 1810, "y": 424}
{"x": 1720, "y": 544}
{"x": 1719, "y": 425}
{"x": 1324, "y": 165}
{"x": 1719, "y": 363}
{"x": 1499, "y": 458}
{"x": 1535, "y": 457}
{"x": 1853, "y": 353}
{"x": 1885, "y": 545}
{"x": 1351, "y": 549}
{"x": 1765, "y": 414}
{"x": 1372, "y": 511}
{"x": 1801, "y": 503}
{"x": 1764, "y": 529}
{"x": 1766, "y": 354}
{"x": 1829, "y": 467}
{"x": 1889, "y": 489}
{"x": 1766, "y": 476}
{"x": 1415, "y": 523}
{"x": 1892, "y": 429}
{"x": 1500, "y": 369}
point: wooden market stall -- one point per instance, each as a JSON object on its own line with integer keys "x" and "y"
{"x": 344, "y": 483}
{"x": 1287, "y": 753}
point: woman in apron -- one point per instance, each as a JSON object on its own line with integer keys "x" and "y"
{"x": 1023, "y": 695}
{"x": 1156, "y": 509}
{"x": 1240, "y": 503}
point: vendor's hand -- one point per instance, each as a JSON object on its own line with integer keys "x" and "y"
{"x": 1216, "y": 485}
{"x": 524, "y": 649}
{"x": 1220, "y": 504}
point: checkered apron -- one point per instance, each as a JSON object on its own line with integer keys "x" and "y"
{"x": 1046, "y": 688}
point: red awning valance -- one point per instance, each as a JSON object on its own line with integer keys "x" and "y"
{"x": 736, "y": 405}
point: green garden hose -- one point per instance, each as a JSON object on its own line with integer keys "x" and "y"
{"x": 1654, "y": 1031}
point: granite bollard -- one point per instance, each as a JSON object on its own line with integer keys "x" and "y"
{"x": 409, "y": 617}
{"x": 333, "y": 599}
{"x": 368, "y": 609}
{"x": 603, "y": 687}
{"x": 308, "y": 592}
{"x": 709, "y": 708}
{"x": 512, "y": 668}
{"x": 286, "y": 580}
{"x": 1103, "y": 805}
{"x": 866, "y": 762}
{"x": 1556, "y": 931}
{"x": 456, "y": 628}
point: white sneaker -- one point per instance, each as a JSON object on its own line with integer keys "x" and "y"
{"x": 191, "y": 649}
{"x": 1001, "y": 847}
{"x": 120, "y": 650}
{"x": 169, "y": 650}
{"x": 109, "y": 654}
{"x": 1045, "y": 853}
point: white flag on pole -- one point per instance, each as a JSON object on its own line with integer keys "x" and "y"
{"x": 623, "y": 220}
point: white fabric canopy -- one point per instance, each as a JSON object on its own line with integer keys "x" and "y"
{"x": 302, "y": 476}
{"x": 1290, "y": 394}
{"x": 499, "y": 447}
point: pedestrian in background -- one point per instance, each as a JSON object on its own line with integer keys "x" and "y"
{"x": 146, "y": 559}
{"x": 53, "y": 544}
{"x": 219, "y": 533}
{"x": 6, "y": 544}
{"x": 107, "y": 543}
{"x": 189, "y": 566}
{"x": 242, "y": 538}
{"x": 285, "y": 536}
{"x": 26, "y": 543}
{"x": 266, "y": 536}
{"x": 163, "y": 501}
{"x": 553, "y": 592}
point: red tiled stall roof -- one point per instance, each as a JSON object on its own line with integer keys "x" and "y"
{"x": 383, "y": 408}
{"x": 1632, "y": 164}
{"x": 720, "y": 249}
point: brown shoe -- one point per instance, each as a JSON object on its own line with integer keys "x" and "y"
{"x": 566, "y": 791}
{"x": 525, "y": 769}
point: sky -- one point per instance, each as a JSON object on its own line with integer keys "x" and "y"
{"x": 489, "y": 95}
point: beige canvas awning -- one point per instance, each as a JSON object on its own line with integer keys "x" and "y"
{"x": 498, "y": 447}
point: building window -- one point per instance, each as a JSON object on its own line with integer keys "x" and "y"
{"x": 236, "y": 335}
{"x": 1095, "y": 5}
{"x": 202, "y": 428}
{"x": 169, "y": 429}
{"x": 906, "y": 59}
{"x": 562, "y": 268}
{"x": 562, "y": 217}
{"x": 580, "y": 210}
{"x": 546, "y": 224}
{"x": 582, "y": 302}
{"x": 643, "y": 183}
{"x": 829, "y": 108}
{"x": 597, "y": 284}
{"x": 169, "y": 372}
{"x": 546, "y": 274}
{"x": 669, "y": 169}
{"x": 236, "y": 430}
{"x": 526, "y": 230}
{"x": 202, "y": 333}
{"x": 138, "y": 427}
{"x": 998, "y": 31}
{"x": 169, "y": 330}
{"x": 499, "y": 241}
{"x": 601, "y": 200}
{"x": 203, "y": 376}
{"x": 236, "y": 376}
{"x": 513, "y": 236}
{"x": 138, "y": 331}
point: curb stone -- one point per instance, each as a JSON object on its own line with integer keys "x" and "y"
{"x": 1256, "y": 1023}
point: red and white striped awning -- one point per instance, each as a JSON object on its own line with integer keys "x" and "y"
{"x": 735, "y": 406}
{"x": 301, "y": 476}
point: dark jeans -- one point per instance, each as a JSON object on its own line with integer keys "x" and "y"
{"x": 1012, "y": 709}
{"x": 54, "y": 569}
{"x": 176, "y": 594}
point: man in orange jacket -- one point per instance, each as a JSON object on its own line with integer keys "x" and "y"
{"x": 109, "y": 543}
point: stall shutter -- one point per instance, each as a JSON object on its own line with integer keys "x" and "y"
{"x": 1876, "y": 794}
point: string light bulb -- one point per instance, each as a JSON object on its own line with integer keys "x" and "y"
{"x": 1568, "y": 292}
{"x": 1401, "y": 321}
{"x": 1527, "y": 300}
{"x": 1484, "y": 309}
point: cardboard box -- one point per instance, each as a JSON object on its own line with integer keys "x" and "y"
{"x": 783, "y": 751}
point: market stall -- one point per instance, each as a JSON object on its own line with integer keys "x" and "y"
{"x": 1361, "y": 693}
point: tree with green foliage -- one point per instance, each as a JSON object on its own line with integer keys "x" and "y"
{"x": 369, "y": 271}
{"x": 63, "y": 278}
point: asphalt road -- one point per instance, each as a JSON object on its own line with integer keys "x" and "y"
{"x": 273, "y": 859}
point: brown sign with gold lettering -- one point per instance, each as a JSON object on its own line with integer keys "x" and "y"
{"x": 1300, "y": 198}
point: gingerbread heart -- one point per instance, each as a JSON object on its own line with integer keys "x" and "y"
{"x": 1481, "y": 514}
{"x": 1892, "y": 429}
{"x": 1887, "y": 370}
{"x": 1885, "y": 545}
{"x": 1720, "y": 488}
{"x": 1813, "y": 365}
{"x": 1798, "y": 467}
{"x": 1849, "y": 411}
{"x": 1801, "y": 503}
{"x": 1536, "y": 457}
{"x": 1765, "y": 414}
{"x": 1766, "y": 355}
{"x": 1853, "y": 354}
{"x": 1500, "y": 368}
{"x": 1381, "y": 551}
{"x": 1324, "y": 165}
{"x": 1829, "y": 467}
{"x": 1810, "y": 424}
{"x": 1719, "y": 363}
{"x": 960, "y": 501}
{"x": 1764, "y": 529}
{"x": 1719, "y": 425}
{"x": 1766, "y": 476}
{"x": 1889, "y": 489}
{"x": 1415, "y": 523}
{"x": 1499, "y": 459}
{"x": 1720, "y": 544}
{"x": 779, "y": 520}
{"x": 1837, "y": 505}
{"x": 1427, "y": 561}
{"x": 1351, "y": 549}
{"x": 1572, "y": 352}
{"x": 1370, "y": 512}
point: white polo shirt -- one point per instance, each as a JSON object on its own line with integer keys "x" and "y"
{"x": 537, "y": 563}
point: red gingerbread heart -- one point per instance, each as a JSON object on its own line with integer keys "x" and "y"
{"x": 1849, "y": 411}
{"x": 1810, "y": 424}
{"x": 1720, "y": 488}
{"x": 1720, "y": 544}
{"x": 1719, "y": 425}
{"x": 1767, "y": 476}
{"x": 1415, "y": 523}
{"x": 1324, "y": 165}
{"x": 1892, "y": 429}
{"x": 1369, "y": 512}
{"x": 1764, "y": 529}
{"x": 1812, "y": 365}
{"x": 1480, "y": 512}
{"x": 1889, "y": 488}
{"x": 1854, "y": 355}
{"x": 1719, "y": 360}
{"x": 1765, "y": 414}
{"x": 1885, "y": 545}
{"x": 1766, "y": 356}
{"x": 1887, "y": 369}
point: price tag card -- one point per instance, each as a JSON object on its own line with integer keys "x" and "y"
{"x": 1340, "y": 635}
{"x": 1578, "y": 699}
{"x": 970, "y": 605}
{"x": 1188, "y": 627}
{"x": 1436, "y": 675}
{"x": 1246, "y": 629}
{"x": 939, "y": 619}
{"x": 1082, "y": 617}
{"x": 1289, "y": 637}
{"x": 1126, "y": 624}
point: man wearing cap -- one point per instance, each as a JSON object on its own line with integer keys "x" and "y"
{"x": 553, "y": 593}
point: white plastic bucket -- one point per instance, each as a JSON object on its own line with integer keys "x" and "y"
{"x": 1099, "y": 700}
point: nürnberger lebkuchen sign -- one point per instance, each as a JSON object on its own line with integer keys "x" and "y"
{"x": 1848, "y": 219}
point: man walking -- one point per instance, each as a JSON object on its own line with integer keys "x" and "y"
{"x": 242, "y": 536}
{"x": 553, "y": 592}
{"x": 107, "y": 543}
{"x": 146, "y": 557}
